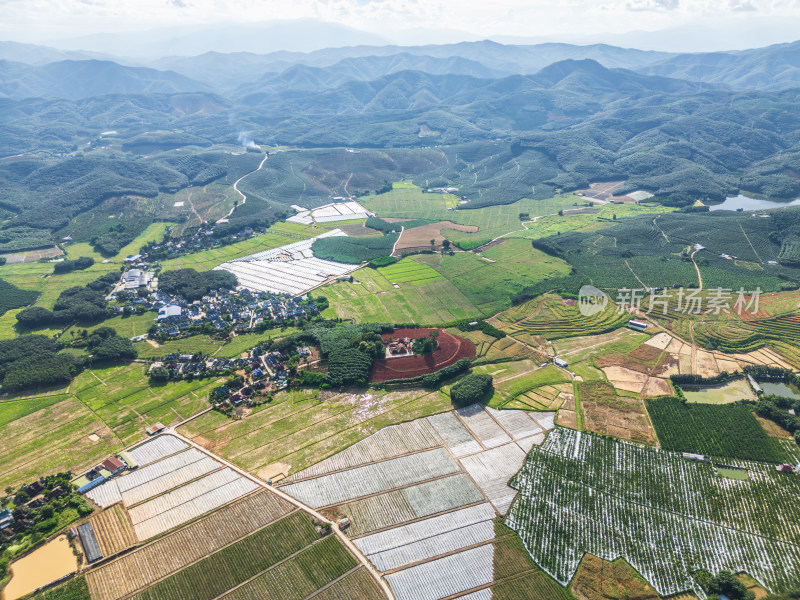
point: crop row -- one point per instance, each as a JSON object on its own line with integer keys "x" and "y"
{"x": 665, "y": 515}
{"x": 235, "y": 564}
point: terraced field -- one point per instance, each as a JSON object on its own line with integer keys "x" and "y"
{"x": 554, "y": 318}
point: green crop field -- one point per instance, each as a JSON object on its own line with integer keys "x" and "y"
{"x": 409, "y": 202}
{"x": 728, "y": 431}
{"x": 490, "y": 280}
{"x": 298, "y": 428}
{"x": 74, "y": 589}
{"x": 422, "y": 295}
{"x": 127, "y": 404}
{"x": 235, "y": 564}
{"x": 279, "y": 234}
{"x": 665, "y": 515}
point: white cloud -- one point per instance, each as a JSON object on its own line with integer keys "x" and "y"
{"x": 37, "y": 20}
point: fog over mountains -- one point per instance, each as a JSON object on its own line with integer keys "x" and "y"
{"x": 37, "y": 71}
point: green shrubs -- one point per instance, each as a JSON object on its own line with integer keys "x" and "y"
{"x": 13, "y": 297}
{"x": 383, "y": 261}
{"x": 727, "y": 430}
{"x": 470, "y": 389}
{"x": 353, "y": 251}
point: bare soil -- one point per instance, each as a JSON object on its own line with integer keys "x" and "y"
{"x": 420, "y": 237}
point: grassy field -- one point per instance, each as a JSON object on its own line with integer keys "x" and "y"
{"x": 47, "y": 433}
{"x": 229, "y": 348}
{"x": 407, "y": 291}
{"x": 489, "y": 281}
{"x": 554, "y": 224}
{"x": 279, "y": 234}
{"x": 298, "y": 428}
{"x": 408, "y": 201}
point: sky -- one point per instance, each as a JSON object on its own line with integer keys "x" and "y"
{"x": 49, "y": 21}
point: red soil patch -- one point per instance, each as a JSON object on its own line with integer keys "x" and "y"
{"x": 451, "y": 349}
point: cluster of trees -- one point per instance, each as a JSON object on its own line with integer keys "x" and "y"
{"x": 426, "y": 345}
{"x": 352, "y": 250}
{"x": 725, "y": 583}
{"x": 47, "y": 519}
{"x": 35, "y": 360}
{"x": 13, "y": 297}
{"x": 476, "y": 387}
{"x": 482, "y": 326}
{"x": 67, "y": 266}
{"x": 192, "y": 285}
{"x": 383, "y": 261}
{"x": 776, "y": 409}
{"x": 74, "y": 305}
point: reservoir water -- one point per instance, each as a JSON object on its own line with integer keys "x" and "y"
{"x": 745, "y": 203}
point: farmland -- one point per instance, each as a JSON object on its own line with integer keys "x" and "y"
{"x": 277, "y": 235}
{"x": 553, "y": 317}
{"x": 405, "y": 292}
{"x": 409, "y": 202}
{"x": 416, "y": 494}
{"x": 298, "y": 428}
{"x": 726, "y": 431}
{"x": 50, "y": 433}
{"x": 491, "y": 279}
{"x": 664, "y": 515}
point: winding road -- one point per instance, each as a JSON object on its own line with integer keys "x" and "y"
{"x": 238, "y": 181}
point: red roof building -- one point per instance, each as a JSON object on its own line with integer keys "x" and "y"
{"x": 113, "y": 464}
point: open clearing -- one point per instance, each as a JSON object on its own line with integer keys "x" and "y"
{"x": 450, "y": 349}
{"x": 423, "y": 497}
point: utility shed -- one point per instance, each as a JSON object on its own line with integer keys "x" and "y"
{"x": 89, "y": 542}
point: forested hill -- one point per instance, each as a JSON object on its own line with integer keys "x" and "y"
{"x": 75, "y": 79}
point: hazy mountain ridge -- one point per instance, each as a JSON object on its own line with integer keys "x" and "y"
{"x": 87, "y": 78}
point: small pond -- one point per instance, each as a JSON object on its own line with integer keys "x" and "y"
{"x": 780, "y": 388}
{"x": 732, "y": 391}
{"x": 745, "y": 203}
{"x": 52, "y": 561}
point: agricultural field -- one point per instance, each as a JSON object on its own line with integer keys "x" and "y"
{"x": 410, "y": 202}
{"x": 277, "y": 235}
{"x": 666, "y": 516}
{"x": 301, "y": 427}
{"x": 51, "y": 432}
{"x": 725, "y": 431}
{"x": 775, "y": 325}
{"x": 489, "y": 349}
{"x": 491, "y": 279}
{"x": 259, "y": 546}
{"x": 598, "y": 579}
{"x": 405, "y": 292}
{"x": 421, "y": 515}
{"x": 553, "y": 318}
{"x": 736, "y": 250}
{"x": 170, "y": 488}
